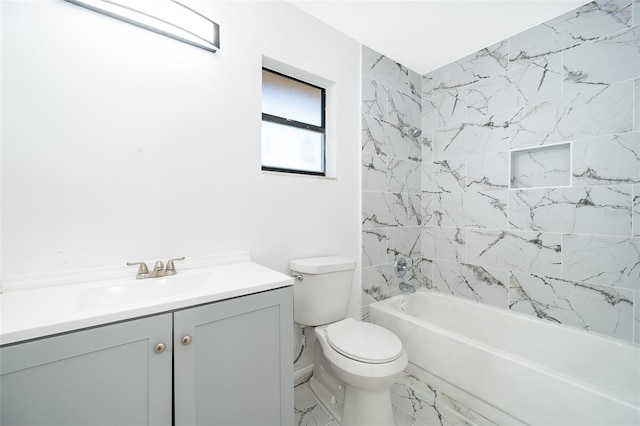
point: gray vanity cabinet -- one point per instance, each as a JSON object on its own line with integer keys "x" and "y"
{"x": 233, "y": 361}
{"x": 108, "y": 375}
{"x": 223, "y": 363}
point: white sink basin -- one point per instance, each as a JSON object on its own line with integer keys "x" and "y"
{"x": 135, "y": 291}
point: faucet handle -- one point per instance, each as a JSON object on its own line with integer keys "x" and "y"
{"x": 170, "y": 269}
{"x": 143, "y": 271}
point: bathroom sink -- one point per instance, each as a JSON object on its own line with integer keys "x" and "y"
{"x": 133, "y": 291}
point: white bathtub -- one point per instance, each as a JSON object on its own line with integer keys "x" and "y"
{"x": 513, "y": 368}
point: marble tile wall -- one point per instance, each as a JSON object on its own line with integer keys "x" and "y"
{"x": 391, "y": 174}
{"x": 566, "y": 250}
{"x": 562, "y": 241}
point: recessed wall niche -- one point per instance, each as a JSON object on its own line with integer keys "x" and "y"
{"x": 541, "y": 166}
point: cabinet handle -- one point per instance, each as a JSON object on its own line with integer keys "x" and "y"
{"x": 186, "y": 340}
{"x": 160, "y": 347}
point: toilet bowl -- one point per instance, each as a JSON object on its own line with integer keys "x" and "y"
{"x": 354, "y": 362}
{"x": 365, "y": 367}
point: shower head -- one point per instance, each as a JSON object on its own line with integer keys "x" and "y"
{"x": 414, "y": 132}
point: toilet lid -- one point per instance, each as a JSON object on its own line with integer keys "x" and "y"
{"x": 363, "y": 341}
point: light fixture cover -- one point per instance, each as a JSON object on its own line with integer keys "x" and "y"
{"x": 167, "y": 17}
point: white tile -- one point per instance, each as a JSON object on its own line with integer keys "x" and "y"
{"x": 307, "y": 409}
{"x": 589, "y": 22}
{"x": 427, "y": 210}
{"x": 374, "y": 247}
{"x": 485, "y": 209}
{"x": 636, "y": 316}
{"x": 601, "y": 260}
{"x": 444, "y": 110}
{"x": 444, "y": 243}
{"x": 601, "y": 62}
{"x": 389, "y": 72}
{"x": 444, "y": 176}
{"x": 602, "y": 309}
{"x": 607, "y": 160}
{"x": 636, "y": 210}
{"x": 488, "y": 172}
{"x": 403, "y": 241}
{"x": 486, "y": 285}
{"x": 387, "y": 139}
{"x": 448, "y": 210}
{"x": 374, "y": 172}
{"x": 530, "y": 84}
{"x": 534, "y": 252}
{"x": 468, "y": 139}
{"x": 592, "y": 113}
{"x": 473, "y": 68}
{"x": 587, "y": 210}
{"x": 385, "y": 209}
{"x": 636, "y": 104}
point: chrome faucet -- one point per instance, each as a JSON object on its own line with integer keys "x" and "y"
{"x": 401, "y": 267}
{"x": 159, "y": 270}
{"x": 405, "y": 286}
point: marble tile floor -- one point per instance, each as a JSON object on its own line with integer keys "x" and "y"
{"x": 414, "y": 404}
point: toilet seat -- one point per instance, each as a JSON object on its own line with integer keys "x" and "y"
{"x": 363, "y": 341}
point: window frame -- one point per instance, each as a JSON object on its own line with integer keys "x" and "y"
{"x": 322, "y": 129}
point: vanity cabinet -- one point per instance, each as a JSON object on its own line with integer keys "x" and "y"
{"x": 222, "y": 363}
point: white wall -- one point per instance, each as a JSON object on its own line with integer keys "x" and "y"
{"x": 119, "y": 144}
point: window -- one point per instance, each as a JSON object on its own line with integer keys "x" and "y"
{"x": 293, "y": 125}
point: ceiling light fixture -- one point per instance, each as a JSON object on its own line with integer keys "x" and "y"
{"x": 167, "y": 17}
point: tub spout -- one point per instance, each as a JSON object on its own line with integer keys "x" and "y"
{"x": 404, "y": 286}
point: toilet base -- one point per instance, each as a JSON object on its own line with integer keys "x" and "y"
{"x": 367, "y": 408}
{"x": 327, "y": 400}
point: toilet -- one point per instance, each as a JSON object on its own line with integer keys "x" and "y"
{"x": 354, "y": 362}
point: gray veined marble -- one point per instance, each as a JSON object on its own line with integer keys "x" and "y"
{"x": 636, "y": 12}
{"x": 485, "y": 209}
{"x": 386, "y": 209}
{"x": 636, "y": 315}
{"x": 444, "y": 110}
{"x": 444, "y": 176}
{"x": 482, "y": 284}
{"x": 388, "y": 104}
{"x": 587, "y": 23}
{"x": 607, "y": 160}
{"x": 636, "y": 103}
{"x": 380, "y": 68}
{"x": 533, "y": 83}
{"x": 602, "y": 309}
{"x": 488, "y": 172}
{"x": 636, "y": 210}
{"x": 428, "y": 406}
{"x": 388, "y": 139}
{"x": 588, "y": 210}
{"x": 448, "y": 210}
{"x": 444, "y": 243}
{"x": 427, "y": 210}
{"x": 602, "y": 62}
{"x": 534, "y": 252}
{"x": 427, "y": 85}
{"x": 468, "y": 139}
{"x": 390, "y": 174}
{"x": 597, "y": 112}
{"x": 403, "y": 241}
{"x": 374, "y": 246}
{"x": 478, "y": 66}
{"x": 602, "y": 260}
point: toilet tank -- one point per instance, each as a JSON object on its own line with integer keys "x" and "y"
{"x": 321, "y": 296}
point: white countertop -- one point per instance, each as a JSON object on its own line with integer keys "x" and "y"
{"x": 29, "y": 314}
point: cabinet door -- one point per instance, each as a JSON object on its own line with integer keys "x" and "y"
{"x": 107, "y": 375}
{"x": 238, "y": 367}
